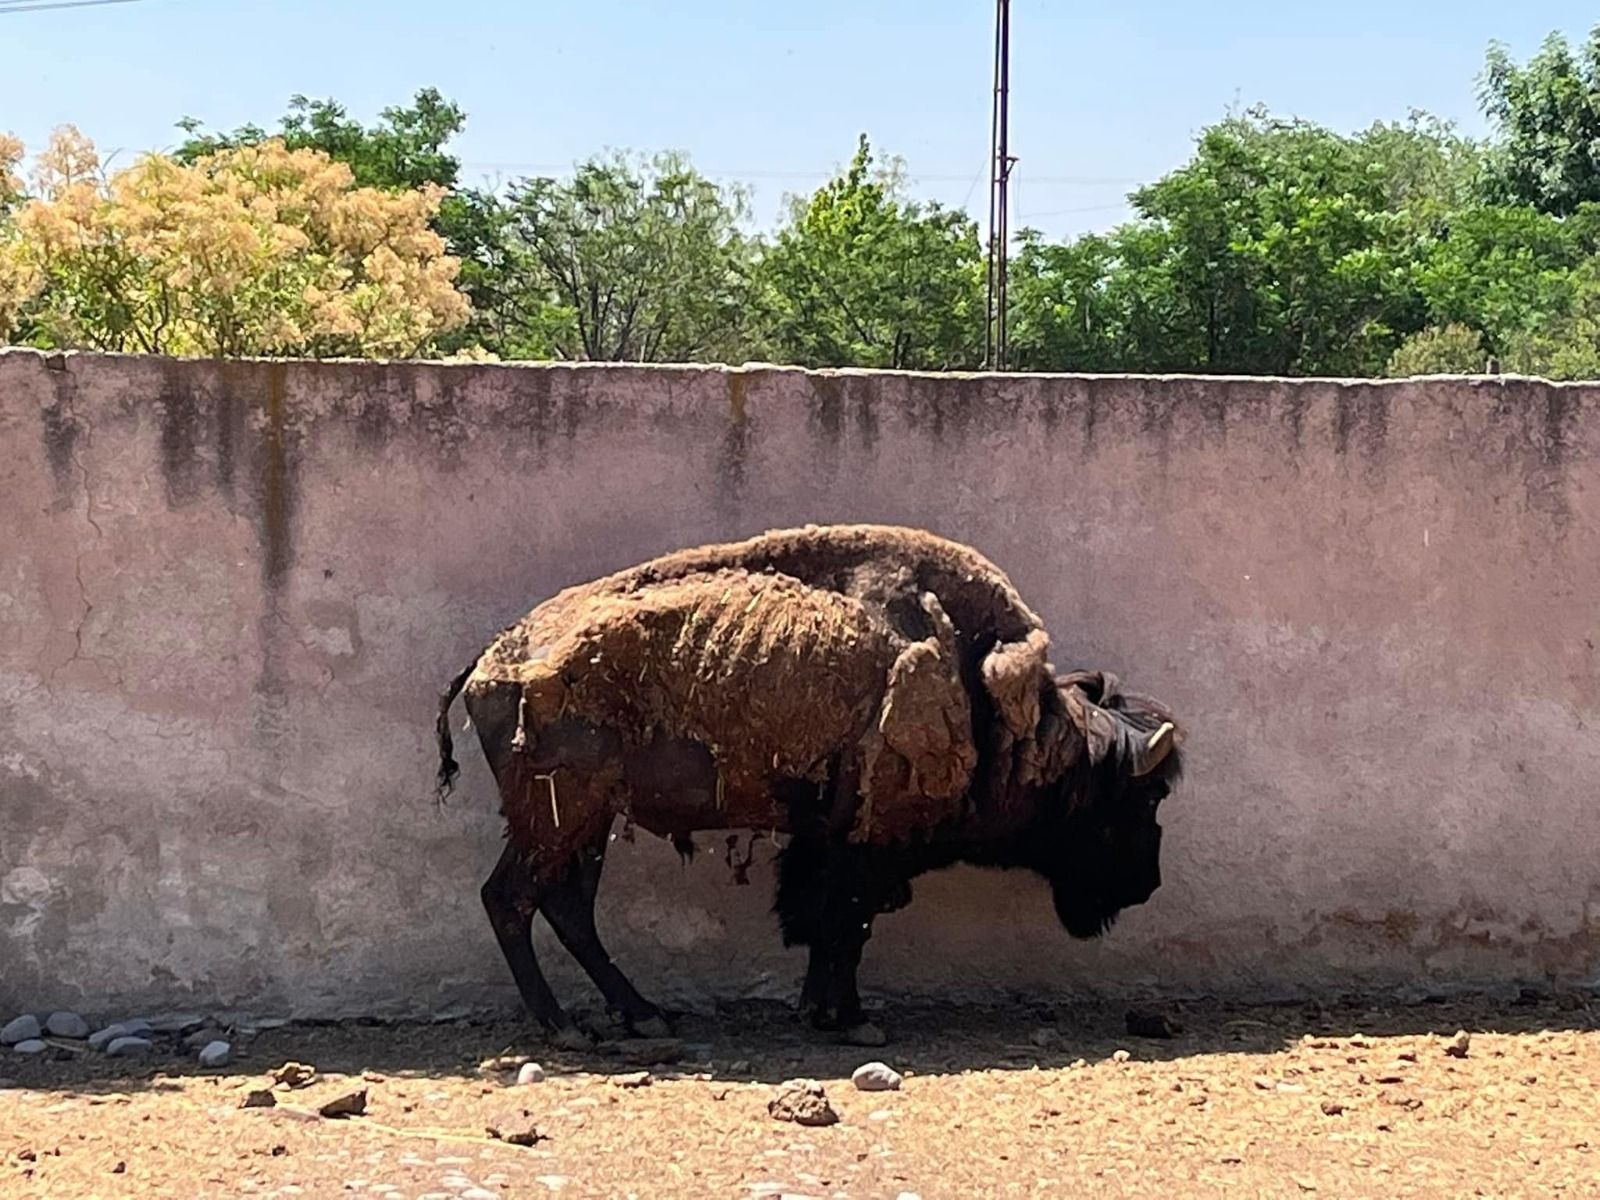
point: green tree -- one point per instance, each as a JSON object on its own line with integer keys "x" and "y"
{"x": 1439, "y": 350}
{"x": 405, "y": 150}
{"x": 1501, "y": 270}
{"x": 1282, "y": 250}
{"x": 1547, "y": 117}
{"x": 629, "y": 260}
{"x": 861, "y": 276}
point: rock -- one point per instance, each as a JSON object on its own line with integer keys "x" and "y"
{"x": 351, "y": 1105}
{"x": 216, "y": 1054}
{"x": 67, "y": 1025}
{"x": 1144, "y": 1023}
{"x": 516, "y": 1132}
{"x": 104, "y": 1037}
{"x": 137, "y": 1027}
{"x": 634, "y": 1079}
{"x": 1120, "y": 1056}
{"x": 700, "y": 1052}
{"x": 259, "y": 1098}
{"x": 293, "y": 1075}
{"x": 804, "y": 1102}
{"x": 31, "y": 1046}
{"x": 1457, "y": 1046}
{"x": 530, "y": 1073}
{"x": 173, "y": 1023}
{"x": 24, "y": 1029}
{"x": 504, "y": 1064}
{"x": 477, "y": 1193}
{"x": 201, "y": 1038}
{"x": 1332, "y": 1108}
{"x": 741, "y": 1067}
{"x": 650, "y": 1052}
{"x": 875, "y": 1077}
{"x": 1044, "y": 1038}
{"x": 129, "y": 1047}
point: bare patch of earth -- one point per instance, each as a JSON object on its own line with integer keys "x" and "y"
{"x": 1352, "y": 1099}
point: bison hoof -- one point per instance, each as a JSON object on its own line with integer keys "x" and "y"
{"x": 864, "y": 1034}
{"x": 652, "y": 1027}
{"x": 569, "y": 1037}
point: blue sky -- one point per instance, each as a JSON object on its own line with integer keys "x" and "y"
{"x": 1104, "y": 95}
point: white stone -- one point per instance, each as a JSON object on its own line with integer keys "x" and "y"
{"x": 876, "y": 1077}
{"x": 31, "y": 1046}
{"x": 129, "y": 1047}
{"x": 216, "y": 1054}
{"x": 530, "y": 1073}
{"x": 67, "y": 1025}
{"x": 24, "y": 1029}
{"x": 100, "y": 1039}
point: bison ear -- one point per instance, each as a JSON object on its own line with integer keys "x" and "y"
{"x": 1155, "y": 750}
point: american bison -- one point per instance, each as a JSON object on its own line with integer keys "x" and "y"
{"x": 880, "y": 694}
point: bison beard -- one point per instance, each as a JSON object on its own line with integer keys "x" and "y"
{"x": 880, "y": 694}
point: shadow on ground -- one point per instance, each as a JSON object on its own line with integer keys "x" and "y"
{"x": 765, "y": 1041}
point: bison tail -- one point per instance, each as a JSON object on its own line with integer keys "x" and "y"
{"x": 449, "y": 768}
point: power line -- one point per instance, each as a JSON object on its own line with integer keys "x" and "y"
{"x": 16, "y": 6}
{"x": 914, "y": 177}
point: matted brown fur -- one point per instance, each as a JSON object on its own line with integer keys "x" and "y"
{"x": 778, "y": 680}
{"x": 999, "y": 641}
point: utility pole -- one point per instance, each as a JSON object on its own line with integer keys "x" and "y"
{"x": 1001, "y": 162}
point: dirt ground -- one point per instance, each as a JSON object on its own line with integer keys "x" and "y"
{"x": 1351, "y": 1099}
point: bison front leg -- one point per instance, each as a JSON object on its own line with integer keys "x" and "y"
{"x": 827, "y": 897}
{"x": 511, "y": 896}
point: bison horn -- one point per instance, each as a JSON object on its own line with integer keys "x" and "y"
{"x": 1155, "y": 750}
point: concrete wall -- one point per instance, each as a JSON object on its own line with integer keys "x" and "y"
{"x": 229, "y": 594}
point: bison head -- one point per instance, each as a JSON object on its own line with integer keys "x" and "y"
{"x": 1103, "y": 853}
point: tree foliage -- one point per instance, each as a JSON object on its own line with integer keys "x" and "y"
{"x": 255, "y": 249}
{"x": 862, "y": 276}
{"x": 1547, "y": 113}
{"x": 1279, "y": 247}
{"x": 628, "y": 260}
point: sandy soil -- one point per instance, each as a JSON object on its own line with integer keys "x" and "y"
{"x": 1349, "y": 1100}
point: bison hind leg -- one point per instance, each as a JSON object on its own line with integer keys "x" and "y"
{"x": 569, "y": 908}
{"x": 511, "y": 897}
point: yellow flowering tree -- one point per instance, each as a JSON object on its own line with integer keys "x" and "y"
{"x": 252, "y": 250}
{"x": 18, "y": 281}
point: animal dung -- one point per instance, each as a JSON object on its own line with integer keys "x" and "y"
{"x": 804, "y": 1102}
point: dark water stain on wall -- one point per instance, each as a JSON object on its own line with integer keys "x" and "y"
{"x": 533, "y": 404}
{"x": 733, "y": 458}
{"x": 182, "y": 404}
{"x": 1296, "y": 403}
{"x": 61, "y": 429}
{"x": 1211, "y": 400}
{"x": 230, "y": 414}
{"x": 1536, "y": 420}
{"x": 866, "y": 400}
{"x": 825, "y": 418}
{"x": 276, "y": 503}
{"x": 1361, "y": 412}
{"x": 947, "y": 408}
{"x": 1090, "y": 405}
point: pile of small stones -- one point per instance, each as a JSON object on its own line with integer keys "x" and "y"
{"x": 136, "y": 1038}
